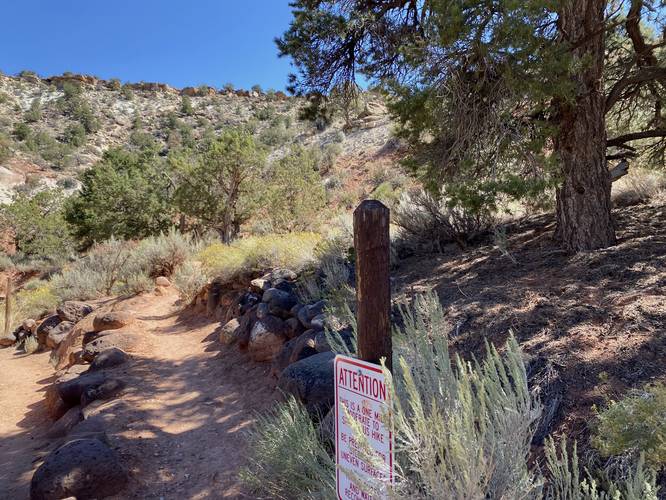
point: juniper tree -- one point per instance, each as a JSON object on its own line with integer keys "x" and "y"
{"x": 502, "y": 95}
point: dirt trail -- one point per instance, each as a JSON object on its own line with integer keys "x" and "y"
{"x": 23, "y": 417}
{"x": 180, "y": 424}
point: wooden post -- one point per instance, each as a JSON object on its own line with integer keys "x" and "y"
{"x": 8, "y": 307}
{"x": 373, "y": 288}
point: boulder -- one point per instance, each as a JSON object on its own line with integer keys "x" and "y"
{"x": 71, "y": 389}
{"x": 259, "y": 285}
{"x": 294, "y": 350}
{"x": 213, "y": 295}
{"x": 45, "y": 327}
{"x": 310, "y": 380}
{"x": 283, "y": 285}
{"x": 82, "y": 468}
{"x": 247, "y": 301}
{"x": 293, "y": 328}
{"x": 266, "y": 338}
{"x": 244, "y": 330}
{"x": 73, "y": 311}
{"x": 112, "y": 321}
{"x": 228, "y": 332}
{"x": 108, "y": 358}
{"x": 7, "y": 341}
{"x": 279, "y": 302}
{"x": 318, "y": 322}
{"x": 284, "y": 274}
{"x": 62, "y": 426}
{"x": 262, "y": 310}
{"x": 122, "y": 339}
{"x": 106, "y": 390}
{"x": 58, "y": 333}
{"x": 162, "y": 281}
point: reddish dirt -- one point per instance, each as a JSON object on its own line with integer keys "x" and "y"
{"x": 598, "y": 317}
{"x": 180, "y": 424}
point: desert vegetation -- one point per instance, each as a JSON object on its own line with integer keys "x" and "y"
{"x": 522, "y": 157}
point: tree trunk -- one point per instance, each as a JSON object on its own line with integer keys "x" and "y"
{"x": 583, "y": 201}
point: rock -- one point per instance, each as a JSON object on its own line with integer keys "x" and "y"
{"x": 345, "y": 335}
{"x": 260, "y": 284}
{"x": 248, "y": 300}
{"x": 283, "y": 285}
{"x": 82, "y": 468}
{"x": 29, "y": 325}
{"x": 58, "y": 333}
{"x": 62, "y": 426}
{"x": 108, "y": 359}
{"x": 262, "y": 310}
{"x": 294, "y": 350}
{"x": 73, "y": 311}
{"x": 122, "y": 339}
{"x": 71, "y": 389}
{"x": 318, "y": 322}
{"x": 92, "y": 427}
{"x": 266, "y": 338}
{"x": 213, "y": 296}
{"x": 284, "y": 274}
{"x": 45, "y": 327}
{"x": 279, "y": 302}
{"x": 106, "y": 390}
{"x": 162, "y": 281}
{"x": 302, "y": 316}
{"x": 316, "y": 309}
{"x": 294, "y": 310}
{"x": 293, "y": 328}
{"x": 228, "y": 332}
{"x": 7, "y": 341}
{"x": 310, "y": 380}
{"x": 112, "y": 321}
{"x": 243, "y": 332}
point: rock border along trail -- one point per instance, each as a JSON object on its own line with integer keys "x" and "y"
{"x": 178, "y": 426}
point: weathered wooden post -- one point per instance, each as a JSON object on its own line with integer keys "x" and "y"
{"x": 8, "y": 307}
{"x": 373, "y": 288}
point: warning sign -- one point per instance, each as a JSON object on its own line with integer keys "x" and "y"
{"x": 361, "y": 400}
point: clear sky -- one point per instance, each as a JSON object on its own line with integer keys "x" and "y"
{"x": 182, "y": 43}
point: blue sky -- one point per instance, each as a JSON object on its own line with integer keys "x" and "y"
{"x": 183, "y": 43}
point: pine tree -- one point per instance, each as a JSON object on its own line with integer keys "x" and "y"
{"x": 502, "y": 95}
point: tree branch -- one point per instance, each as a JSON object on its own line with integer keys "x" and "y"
{"x": 620, "y": 140}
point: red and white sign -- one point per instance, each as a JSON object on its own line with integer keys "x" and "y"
{"x": 360, "y": 387}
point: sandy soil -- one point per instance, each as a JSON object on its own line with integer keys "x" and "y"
{"x": 180, "y": 424}
{"x": 23, "y": 417}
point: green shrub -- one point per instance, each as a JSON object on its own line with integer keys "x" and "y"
{"x": 71, "y": 90}
{"x": 229, "y": 87}
{"x": 266, "y": 113}
{"x": 189, "y": 279}
{"x": 124, "y": 195}
{"x": 52, "y": 151}
{"x": 21, "y": 131}
{"x": 5, "y": 147}
{"x": 114, "y": 84}
{"x": 275, "y": 135}
{"x": 38, "y": 225}
{"x": 259, "y": 253}
{"x": 256, "y": 88}
{"x": 126, "y": 92}
{"x": 3, "y": 98}
{"x": 34, "y": 113}
{"x": 635, "y": 422}
{"x": 287, "y": 459}
{"x": 295, "y": 196}
{"x": 5, "y": 262}
{"x": 186, "y": 106}
{"x": 329, "y": 154}
{"x": 30, "y": 344}
{"x": 109, "y": 268}
{"x": 566, "y": 484}
{"x": 75, "y": 135}
{"x": 161, "y": 255}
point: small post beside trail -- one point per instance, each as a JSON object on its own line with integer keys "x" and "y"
{"x": 8, "y": 307}
{"x": 373, "y": 287}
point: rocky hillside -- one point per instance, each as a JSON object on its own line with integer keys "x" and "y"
{"x": 48, "y": 134}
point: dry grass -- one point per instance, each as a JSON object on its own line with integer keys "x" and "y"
{"x": 639, "y": 186}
